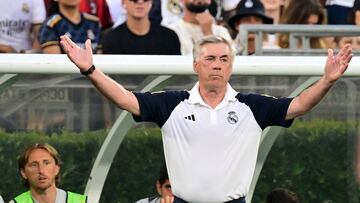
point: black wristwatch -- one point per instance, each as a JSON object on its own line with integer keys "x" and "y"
{"x": 89, "y": 71}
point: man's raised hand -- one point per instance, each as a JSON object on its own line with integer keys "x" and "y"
{"x": 82, "y": 58}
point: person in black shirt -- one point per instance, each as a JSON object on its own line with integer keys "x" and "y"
{"x": 137, "y": 35}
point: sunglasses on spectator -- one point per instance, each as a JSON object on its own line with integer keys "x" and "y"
{"x": 136, "y": 1}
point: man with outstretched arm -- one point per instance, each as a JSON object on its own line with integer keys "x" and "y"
{"x": 211, "y": 134}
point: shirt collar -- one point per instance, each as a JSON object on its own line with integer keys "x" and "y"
{"x": 195, "y": 97}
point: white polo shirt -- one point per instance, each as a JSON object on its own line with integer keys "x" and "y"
{"x": 211, "y": 153}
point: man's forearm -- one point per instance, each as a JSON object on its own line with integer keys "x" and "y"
{"x": 309, "y": 98}
{"x": 115, "y": 92}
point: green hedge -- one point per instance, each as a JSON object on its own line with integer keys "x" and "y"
{"x": 315, "y": 159}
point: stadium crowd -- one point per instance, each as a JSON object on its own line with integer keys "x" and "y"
{"x": 162, "y": 27}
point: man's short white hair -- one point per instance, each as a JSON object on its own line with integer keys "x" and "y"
{"x": 211, "y": 39}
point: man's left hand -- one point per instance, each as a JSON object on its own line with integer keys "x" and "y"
{"x": 337, "y": 64}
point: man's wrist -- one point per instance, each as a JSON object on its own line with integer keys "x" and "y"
{"x": 88, "y": 71}
{"x": 327, "y": 82}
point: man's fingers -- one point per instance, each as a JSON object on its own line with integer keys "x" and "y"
{"x": 348, "y": 53}
{"x": 348, "y": 58}
{"x": 330, "y": 54}
{"x": 69, "y": 41}
{"x": 344, "y": 51}
{"x": 88, "y": 45}
{"x": 63, "y": 42}
{"x": 64, "y": 46}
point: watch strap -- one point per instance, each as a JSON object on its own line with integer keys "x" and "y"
{"x": 89, "y": 71}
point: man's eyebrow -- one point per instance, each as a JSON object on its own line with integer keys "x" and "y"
{"x": 222, "y": 56}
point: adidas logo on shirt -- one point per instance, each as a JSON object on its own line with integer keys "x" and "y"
{"x": 191, "y": 117}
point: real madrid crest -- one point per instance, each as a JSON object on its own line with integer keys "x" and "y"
{"x": 174, "y": 7}
{"x": 232, "y": 117}
{"x": 25, "y": 8}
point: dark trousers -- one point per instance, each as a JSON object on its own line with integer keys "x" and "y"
{"x": 240, "y": 200}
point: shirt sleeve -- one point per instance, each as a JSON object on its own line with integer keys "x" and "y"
{"x": 48, "y": 36}
{"x": 157, "y": 107}
{"x": 39, "y": 12}
{"x": 268, "y": 111}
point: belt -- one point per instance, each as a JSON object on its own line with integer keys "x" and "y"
{"x": 239, "y": 200}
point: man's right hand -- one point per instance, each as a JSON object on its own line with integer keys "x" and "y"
{"x": 205, "y": 21}
{"x": 82, "y": 58}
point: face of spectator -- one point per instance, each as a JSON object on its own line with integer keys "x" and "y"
{"x": 197, "y": 6}
{"x": 40, "y": 170}
{"x": 353, "y": 41}
{"x": 313, "y": 19}
{"x": 214, "y": 65}
{"x": 137, "y": 9}
{"x": 69, "y": 3}
{"x": 272, "y": 5}
{"x": 248, "y": 20}
{"x": 164, "y": 189}
{"x": 357, "y": 17}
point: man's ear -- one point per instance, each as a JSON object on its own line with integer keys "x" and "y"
{"x": 57, "y": 169}
{"x": 23, "y": 174}
{"x": 195, "y": 65}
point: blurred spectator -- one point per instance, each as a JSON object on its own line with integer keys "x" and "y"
{"x": 250, "y": 12}
{"x": 138, "y": 35}
{"x": 163, "y": 188}
{"x": 97, "y": 8}
{"x": 303, "y": 12}
{"x": 282, "y": 195}
{"x": 338, "y": 11}
{"x": 354, "y": 16}
{"x": 196, "y": 23}
{"x": 20, "y": 22}
{"x": 66, "y": 19}
{"x": 273, "y": 9}
{"x": 118, "y": 12}
{"x": 352, "y": 40}
{"x": 171, "y": 11}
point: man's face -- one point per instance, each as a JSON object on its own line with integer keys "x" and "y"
{"x": 197, "y": 6}
{"x": 137, "y": 9}
{"x": 214, "y": 65}
{"x": 164, "y": 189}
{"x": 40, "y": 170}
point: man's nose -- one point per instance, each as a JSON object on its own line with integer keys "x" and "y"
{"x": 41, "y": 168}
{"x": 217, "y": 64}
